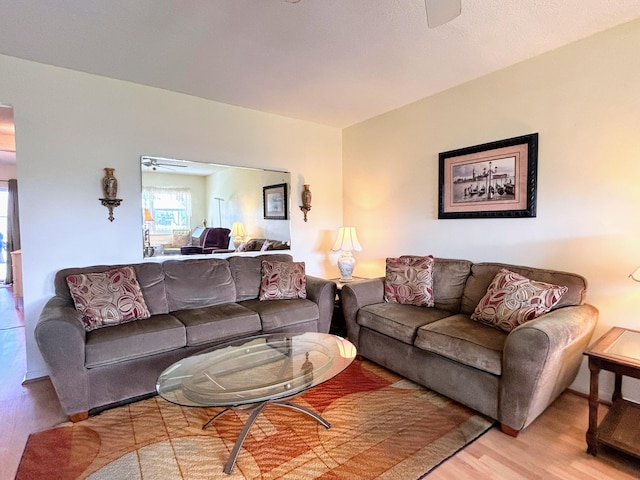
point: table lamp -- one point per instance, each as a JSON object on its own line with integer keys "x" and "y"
{"x": 148, "y": 218}
{"x": 238, "y": 232}
{"x": 346, "y": 242}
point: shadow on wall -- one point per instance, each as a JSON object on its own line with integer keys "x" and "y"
{"x": 605, "y": 260}
{"x": 329, "y": 261}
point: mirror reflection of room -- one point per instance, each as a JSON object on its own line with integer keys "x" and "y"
{"x": 203, "y": 208}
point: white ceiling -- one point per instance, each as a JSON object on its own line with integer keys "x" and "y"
{"x": 334, "y": 62}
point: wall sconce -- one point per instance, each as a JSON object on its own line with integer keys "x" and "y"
{"x": 238, "y": 232}
{"x": 306, "y": 201}
{"x": 110, "y": 192}
{"x": 346, "y": 242}
{"x": 635, "y": 275}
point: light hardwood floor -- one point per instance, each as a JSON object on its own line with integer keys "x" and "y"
{"x": 553, "y": 447}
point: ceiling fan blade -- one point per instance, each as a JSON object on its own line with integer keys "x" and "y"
{"x": 440, "y": 12}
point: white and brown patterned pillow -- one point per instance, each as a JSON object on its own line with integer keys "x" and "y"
{"x": 283, "y": 280}
{"x": 109, "y": 298}
{"x": 512, "y": 300}
{"x": 409, "y": 281}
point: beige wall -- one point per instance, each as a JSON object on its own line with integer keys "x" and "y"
{"x": 584, "y": 100}
{"x": 70, "y": 125}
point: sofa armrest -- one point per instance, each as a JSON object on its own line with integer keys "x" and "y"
{"x": 323, "y": 293}
{"x": 61, "y": 338}
{"x": 541, "y": 359}
{"x": 355, "y": 296}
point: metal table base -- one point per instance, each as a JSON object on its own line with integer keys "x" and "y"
{"x": 255, "y": 410}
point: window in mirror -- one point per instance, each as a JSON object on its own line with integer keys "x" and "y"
{"x": 169, "y": 208}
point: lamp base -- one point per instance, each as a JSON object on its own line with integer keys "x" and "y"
{"x": 346, "y": 262}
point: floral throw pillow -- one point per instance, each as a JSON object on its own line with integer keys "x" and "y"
{"x": 109, "y": 298}
{"x": 512, "y": 300}
{"x": 409, "y": 281}
{"x": 283, "y": 280}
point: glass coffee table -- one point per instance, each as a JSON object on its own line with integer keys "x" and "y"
{"x": 248, "y": 375}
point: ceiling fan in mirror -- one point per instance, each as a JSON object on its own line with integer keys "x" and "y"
{"x": 439, "y": 12}
{"x": 155, "y": 163}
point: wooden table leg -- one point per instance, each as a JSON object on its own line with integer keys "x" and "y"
{"x": 592, "y": 442}
{"x": 617, "y": 388}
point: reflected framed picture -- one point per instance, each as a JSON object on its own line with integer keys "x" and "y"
{"x": 492, "y": 180}
{"x": 274, "y": 199}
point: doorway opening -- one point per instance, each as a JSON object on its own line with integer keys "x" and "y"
{"x": 4, "y": 198}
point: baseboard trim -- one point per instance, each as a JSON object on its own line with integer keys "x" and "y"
{"x": 34, "y": 375}
{"x": 606, "y": 403}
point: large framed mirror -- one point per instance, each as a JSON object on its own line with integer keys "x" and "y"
{"x": 185, "y": 202}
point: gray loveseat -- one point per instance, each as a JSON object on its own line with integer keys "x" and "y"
{"x": 510, "y": 377}
{"x": 194, "y": 303}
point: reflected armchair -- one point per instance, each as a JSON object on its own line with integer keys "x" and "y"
{"x": 208, "y": 240}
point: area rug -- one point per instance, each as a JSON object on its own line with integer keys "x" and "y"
{"x": 382, "y": 426}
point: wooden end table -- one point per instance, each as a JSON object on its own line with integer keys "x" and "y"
{"x": 338, "y": 324}
{"x": 617, "y": 351}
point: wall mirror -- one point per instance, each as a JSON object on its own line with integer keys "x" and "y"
{"x": 180, "y": 198}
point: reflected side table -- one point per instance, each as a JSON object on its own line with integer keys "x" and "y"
{"x": 617, "y": 351}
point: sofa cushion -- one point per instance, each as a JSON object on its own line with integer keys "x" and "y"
{"x": 512, "y": 300}
{"x": 282, "y": 280}
{"x": 150, "y": 276}
{"x": 482, "y": 274}
{"x": 398, "y": 321}
{"x": 449, "y": 278}
{"x": 160, "y": 333}
{"x": 197, "y": 283}
{"x": 108, "y": 298}
{"x": 218, "y": 322}
{"x": 247, "y": 273}
{"x": 277, "y": 315}
{"x": 409, "y": 281}
{"x": 461, "y": 339}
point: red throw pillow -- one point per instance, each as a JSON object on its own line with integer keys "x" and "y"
{"x": 283, "y": 280}
{"x": 109, "y": 298}
{"x": 409, "y": 281}
{"x": 512, "y": 300}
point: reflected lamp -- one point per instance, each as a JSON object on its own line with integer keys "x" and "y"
{"x": 238, "y": 233}
{"x": 147, "y": 218}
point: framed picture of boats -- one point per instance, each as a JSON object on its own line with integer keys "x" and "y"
{"x": 492, "y": 180}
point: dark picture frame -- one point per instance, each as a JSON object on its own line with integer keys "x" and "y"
{"x": 274, "y": 200}
{"x": 492, "y": 180}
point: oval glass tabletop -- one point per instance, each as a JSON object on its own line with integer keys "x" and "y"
{"x": 255, "y": 369}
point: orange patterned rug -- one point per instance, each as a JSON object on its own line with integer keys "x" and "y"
{"x": 382, "y": 426}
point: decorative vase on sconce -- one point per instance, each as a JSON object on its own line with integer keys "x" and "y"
{"x": 110, "y": 191}
{"x": 306, "y": 201}
{"x": 110, "y": 184}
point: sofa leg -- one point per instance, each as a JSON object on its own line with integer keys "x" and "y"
{"x": 78, "y": 417}
{"x": 512, "y": 432}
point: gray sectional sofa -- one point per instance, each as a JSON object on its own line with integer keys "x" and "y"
{"x": 194, "y": 304}
{"x": 510, "y": 377}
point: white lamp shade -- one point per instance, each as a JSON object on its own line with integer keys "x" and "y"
{"x": 237, "y": 230}
{"x": 347, "y": 240}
